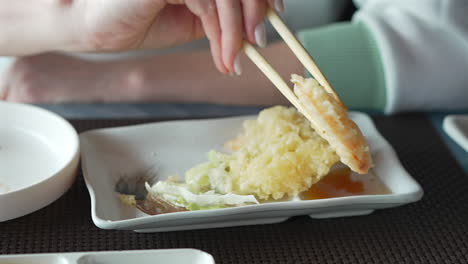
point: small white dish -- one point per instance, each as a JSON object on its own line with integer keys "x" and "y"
{"x": 175, "y": 146}
{"x": 162, "y": 256}
{"x": 39, "y": 157}
{"x": 456, "y": 126}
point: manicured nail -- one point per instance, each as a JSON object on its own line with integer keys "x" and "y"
{"x": 237, "y": 65}
{"x": 260, "y": 35}
{"x": 279, "y": 6}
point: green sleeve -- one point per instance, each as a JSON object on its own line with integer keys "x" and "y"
{"x": 349, "y": 57}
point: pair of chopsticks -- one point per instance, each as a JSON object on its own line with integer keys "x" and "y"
{"x": 300, "y": 53}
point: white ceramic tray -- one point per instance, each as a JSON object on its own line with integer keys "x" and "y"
{"x": 162, "y": 256}
{"x": 175, "y": 146}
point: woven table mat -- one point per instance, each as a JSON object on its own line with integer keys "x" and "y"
{"x": 433, "y": 230}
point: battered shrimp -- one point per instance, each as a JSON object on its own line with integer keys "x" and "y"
{"x": 332, "y": 123}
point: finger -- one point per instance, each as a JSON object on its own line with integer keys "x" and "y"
{"x": 212, "y": 30}
{"x": 230, "y": 16}
{"x": 213, "y": 33}
{"x": 253, "y": 13}
{"x": 207, "y": 12}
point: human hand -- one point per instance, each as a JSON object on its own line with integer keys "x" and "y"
{"x": 115, "y": 25}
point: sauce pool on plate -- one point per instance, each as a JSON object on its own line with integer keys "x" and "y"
{"x": 342, "y": 182}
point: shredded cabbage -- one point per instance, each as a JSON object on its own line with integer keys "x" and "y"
{"x": 180, "y": 195}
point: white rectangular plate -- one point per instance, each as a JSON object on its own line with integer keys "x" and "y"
{"x": 163, "y": 256}
{"x": 175, "y": 146}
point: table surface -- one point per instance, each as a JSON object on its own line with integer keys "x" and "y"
{"x": 433, "y": 230}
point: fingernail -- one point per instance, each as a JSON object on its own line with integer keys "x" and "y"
{"x": 237, "y": 65}
{"x": 260, "y": 35}
{"x": 279, "y": 6}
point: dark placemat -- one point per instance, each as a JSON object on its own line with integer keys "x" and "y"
{"x": 434, "y": 230}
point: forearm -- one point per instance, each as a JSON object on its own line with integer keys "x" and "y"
{"x": 31, "y": 27}
{"x": 191, "y": 77}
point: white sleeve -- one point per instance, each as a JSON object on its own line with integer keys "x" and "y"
{"x": 424, "y": 47}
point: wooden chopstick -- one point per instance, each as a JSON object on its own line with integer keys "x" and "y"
{"x": 275, "y": 78}
{"x": 271, "y": 73}
{"x": 303, "y": 56}
{"x": 300, "y": 52}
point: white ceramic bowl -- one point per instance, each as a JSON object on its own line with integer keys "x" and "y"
{"x": 39, "y": 156}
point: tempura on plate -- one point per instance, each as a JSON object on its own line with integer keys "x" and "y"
{"x": 333, "y": 124}
{"x": 277, "y": 156}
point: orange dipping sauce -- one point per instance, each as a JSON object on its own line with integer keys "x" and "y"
{"x": 342, "y": 182}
